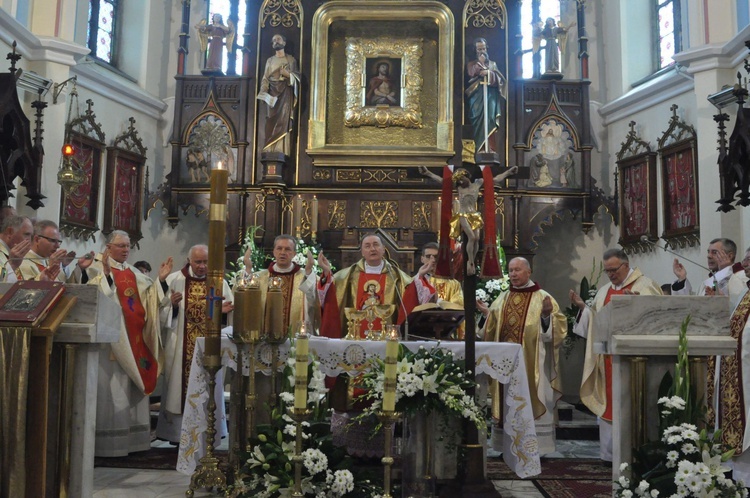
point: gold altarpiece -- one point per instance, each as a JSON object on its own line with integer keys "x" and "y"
{"x": 355, "y": 144}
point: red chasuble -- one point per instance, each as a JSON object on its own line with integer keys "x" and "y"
{"x": 608, "y": 358}
{"x": 195, "y": 322}
{"x": 135, "y": 319}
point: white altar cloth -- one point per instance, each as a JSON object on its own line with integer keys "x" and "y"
{"x": 500, "y": 361}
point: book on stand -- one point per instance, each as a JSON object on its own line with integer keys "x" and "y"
{"x": 27, "y": 303}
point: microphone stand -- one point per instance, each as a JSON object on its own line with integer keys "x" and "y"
{"x": 645, "y": 238}
{"x": 400, "y": 300}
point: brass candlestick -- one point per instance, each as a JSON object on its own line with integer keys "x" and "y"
{"x": 274, "y": 330}
{"x": 353, "y": 321}
{"x": 208, "y": 474}
{"x": 298, "y": 416}
{"x": 388, "y": 418}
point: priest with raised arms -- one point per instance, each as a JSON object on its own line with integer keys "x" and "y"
{"x": 596, "y": 384}
{"x": 527, "y": 315}
{"x": 182, "y": 324}
{"x": 371, "y": 280}
{"x": 129, "y": 368}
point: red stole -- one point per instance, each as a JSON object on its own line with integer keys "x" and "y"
{"x": 194, "y": 322}
{"x": 135, "y": 319}
{"x": 608, "y": 358}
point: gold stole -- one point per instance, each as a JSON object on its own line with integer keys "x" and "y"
{"x": 195, "y": 324}
{"x": 514, "y": 317}
{"x": 731, "y": 401}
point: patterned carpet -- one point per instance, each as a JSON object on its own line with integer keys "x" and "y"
{"x": 563, "y": 477}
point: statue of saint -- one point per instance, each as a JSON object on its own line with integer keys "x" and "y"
{"x": 279, "y": 89}
{"x": 486, "y": 84}
{"x": 555, "y": 36}
{"x": 211, "y": 37}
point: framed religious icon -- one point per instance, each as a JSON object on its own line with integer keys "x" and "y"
{"x": 381, "y": 84}
{"x": 79, "y": 208}
{"x": 123, "y": 209}
{"x": 679, "y": 180}
{"x": 637, "y": 195}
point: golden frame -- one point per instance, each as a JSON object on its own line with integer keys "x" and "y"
{"x": 358, "y": 113}
{"x": 410, "y": 115}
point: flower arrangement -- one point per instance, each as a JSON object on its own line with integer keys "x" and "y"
{"x": 428, "y": 380}
{"x": 684, "y": 462}
{"x": 268, "y": 471}
{"x": 587, "y": 291}
{"x": 489, "y": 290}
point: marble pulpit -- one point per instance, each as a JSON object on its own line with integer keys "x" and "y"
{"x": 641, "y": 333}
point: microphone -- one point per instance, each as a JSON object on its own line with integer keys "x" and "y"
{"x": 644, "y": 238}
{"x": 400, "y": 301}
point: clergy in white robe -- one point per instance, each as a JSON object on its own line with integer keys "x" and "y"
{"x": 527, "y": 315}
{"x": 596, "y": 384}
{"x": 725, "y": 277}
{"x": 45, "y": 255}
{"x": 129, "y": 368}
{"x": 15, "y": 242}
{"x": 182, "y": 324}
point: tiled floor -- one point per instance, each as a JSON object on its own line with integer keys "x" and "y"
{"x": 135, "y": 483}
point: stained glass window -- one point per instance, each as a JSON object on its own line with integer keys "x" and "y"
{"x": 668, "y": 31}
{"x": 531, "y": 13}
{"x": 101, "y": 33}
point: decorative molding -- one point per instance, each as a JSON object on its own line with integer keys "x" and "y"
{"x": 485, "y": 14}
{"x": 633, "y": 144}
{"x": 378, "y": 214}
{"x": 349, "y": 175}
{"x": 421, "y": 215}
{"x": 337, "y": 215}
{"x": 677, "y": 131}
{"x": 281, "y": 13}
{"x": 321, "y": 174}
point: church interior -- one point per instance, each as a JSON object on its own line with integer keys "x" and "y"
{"x": 609, "y": 112}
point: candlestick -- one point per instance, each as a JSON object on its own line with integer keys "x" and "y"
{"x": 274, "y": 316}
{"x": 254, "y": 311}
{"x": 314, "y": 218}
{"x": 300, "y": 371}
{"x": 298, "y": 216}
{"x": 217, "y": 221}
{"x": 389, "y": 384}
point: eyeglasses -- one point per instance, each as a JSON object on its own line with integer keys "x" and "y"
{"x": 120, "y": 246}
{"x": 610, "y": 271}
{"x": 54, "y": 241}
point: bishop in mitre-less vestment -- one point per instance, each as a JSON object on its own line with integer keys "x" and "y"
{"x": 527, "y": 315}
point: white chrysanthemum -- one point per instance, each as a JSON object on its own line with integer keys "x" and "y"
{"x": 689, "y": 448}
{"x": 314, "y": 461}
{"x": 623, "y": 467}
{"x": 626, "y": 493}
{"x": 287, "y": 397}
{"x": 624, "y": 481}
{"x": 343, "y": 482}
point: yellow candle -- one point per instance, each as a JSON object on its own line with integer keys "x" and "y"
{"x": 389, "y": 384}
{"x": 314, "y": 217}
{"x": 298, "y": 216}
{"x": 300, "y": 374}
{"x": 253, "y": 313}
{"x": 217, "y": 226}
{"x": 240, "y": 322}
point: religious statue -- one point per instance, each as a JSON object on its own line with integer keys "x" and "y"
{"x": 468, "y": 219}
{"x": 279, "y": 89}
{"x": 197, "y": 166}
{"x": 567, "y": 171}
{"x": 540, "y": 171}
{"x": 486, "y": 84}
{"x": 555, "y": 36}
{"x": 380, "y": 89}
{"x": 211, "y": 37}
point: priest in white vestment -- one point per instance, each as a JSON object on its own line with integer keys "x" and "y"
{"x": 15, "y": 242}
{"x": 725, "y": 278}
{"x": 596, "y": 384}
{"x": 129, "y": 368}
{"x": 527, "y": 315}
{"x": 182, "y": 324}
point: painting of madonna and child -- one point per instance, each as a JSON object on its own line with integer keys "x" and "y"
{"x": 552, "y": 160}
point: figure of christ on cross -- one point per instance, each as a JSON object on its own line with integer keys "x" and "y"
{"x": 468, "y": 219}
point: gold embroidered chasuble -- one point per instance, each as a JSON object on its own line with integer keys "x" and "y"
{"x": 594, "y": 381}
{"x": 731, "y": 396}
{"x": 294, "y": 299}
{"x": 448, "y": 289}
{"x": 515, "y": 317}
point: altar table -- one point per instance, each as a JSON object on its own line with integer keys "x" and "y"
{"x": 500, "y": 361}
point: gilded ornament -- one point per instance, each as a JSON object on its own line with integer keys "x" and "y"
{"x": 485, "y": 14}
{"x": 378, "y": 214}
{"x": 337, "y": 215}
{"x": 421, "y": 215}
{"x": 285, "y": 13}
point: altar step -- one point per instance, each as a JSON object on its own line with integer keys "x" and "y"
{"x": 576, "y": 422}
